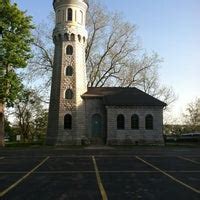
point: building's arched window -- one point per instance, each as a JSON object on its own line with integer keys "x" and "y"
{"x": 69, "y": 94}
{"x": 68, "y": 122}
{"x": 149, "y": 122}
{"x": 120, "y": 122}
{"x": 69, "y": 50}
{"x": 69, "y": 71}
{"x": 70, "y": 14}
{"x": 72, "y": 37}
{"x": 135, "y": 122}
{"x": 66, "y": 36}
{"x": 80, "y": 17}
{"x": 79, "y": 38}
{"x": 81, "y": 20}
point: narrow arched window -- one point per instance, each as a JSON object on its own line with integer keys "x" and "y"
{"x": 72, "y": 37}
{"x": 79, "y": 38}
{"x": 135, "y": 122}
{"x": 81, "y": 20}
{"x": 70, "y": 14}
{"x": 69, "y": 71}
{"x": 69, "y": 50}
{"x": 68, "y": 122}
{"x": 120, "y": 122}
{"x": 68, "y": 94}
{"x": 66, "y": 36}
{"x": 149, "y": 122}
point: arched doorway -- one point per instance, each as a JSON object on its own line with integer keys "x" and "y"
{"x": 97, "y": 134}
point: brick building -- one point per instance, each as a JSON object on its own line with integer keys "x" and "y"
{"x": 78, "y": 114}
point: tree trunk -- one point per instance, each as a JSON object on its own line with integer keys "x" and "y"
{"x": 1, "y": 125}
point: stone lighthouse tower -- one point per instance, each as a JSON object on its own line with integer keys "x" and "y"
{"x": 66, "y": 123}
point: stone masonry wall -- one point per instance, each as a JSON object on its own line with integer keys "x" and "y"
{"x": 129, "y": 136}
{"x": 68, "y": 32}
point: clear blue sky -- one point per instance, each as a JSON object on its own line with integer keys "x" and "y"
{"x": 169, "y": 27}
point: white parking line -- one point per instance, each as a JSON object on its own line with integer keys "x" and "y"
{"x": 24, "y": 177}
{"x": 168, "y": 175}
{"x": 188, "y": 159}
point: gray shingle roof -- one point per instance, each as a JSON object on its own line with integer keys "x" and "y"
{"x": 117, "y": 96}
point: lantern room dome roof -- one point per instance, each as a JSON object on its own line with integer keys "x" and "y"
{"x": 85, "y": 1}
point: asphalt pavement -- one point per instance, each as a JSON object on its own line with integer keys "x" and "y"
{"x": 148, "y": 173}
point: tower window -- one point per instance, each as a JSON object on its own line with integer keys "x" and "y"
{"x": 120, "y": 122}
{"x": 68, "y": 94}
{"x": 72, "y": 37}
{"x": 69, "y": 50}
{"x": 69, "y": 71}
{"x": 79, "y": 38}
{"x": 81, "y": 16}
{"x": 70, "y": 13}
{"x": 68, "y": 122}
{"x": 66, "y": 36}
{"x": 149, "y": 122}
{"x": 135, "y": 122}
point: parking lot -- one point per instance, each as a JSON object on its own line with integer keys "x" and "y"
{"x": 89, "y": 174}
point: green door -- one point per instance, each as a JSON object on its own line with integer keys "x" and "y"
{"x": 96, "y": 126}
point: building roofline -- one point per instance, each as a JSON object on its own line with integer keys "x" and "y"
{"x": 119, "y": 96}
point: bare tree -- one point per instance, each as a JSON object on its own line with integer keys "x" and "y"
{"x": 113, "y": 55}
{"x": 192, "y": 115}
{"x": 148, "y": 80}
{"x": 30, "y": 115}
{"x": 111, "y": 44}
{"x": 41, "y": 65}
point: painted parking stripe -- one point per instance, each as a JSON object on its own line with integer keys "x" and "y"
{"x": 23, "y": 178}
{"x": 100, "y": 184}
{"x": 105, "y": 156}
{"x": 82, "y": 172}
{"x": 91, "y": 172}
{"x": 148, "y": 171}
{"x": 168, "y": 175}
{"x": 188, "y": 159}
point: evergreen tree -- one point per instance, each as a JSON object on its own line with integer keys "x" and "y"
{"x": 15, "y": 50}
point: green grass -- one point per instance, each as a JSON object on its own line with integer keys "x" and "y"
{"x": 42, "y": 144}
{"x": 182, "y": 144}
{"x": 24, "y": 144}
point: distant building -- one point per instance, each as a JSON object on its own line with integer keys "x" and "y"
{"x": 78, "y": 114}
